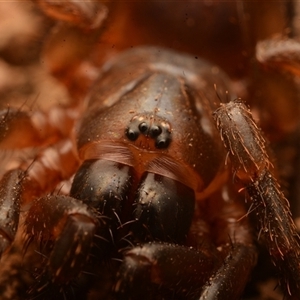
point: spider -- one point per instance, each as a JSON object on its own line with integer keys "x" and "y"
{"x": 152, "y": 210}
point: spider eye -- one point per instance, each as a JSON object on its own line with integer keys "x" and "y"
{"x": 162, "y": 143}
{"x": 131, "y": 134}
{"x": 155, "y": 131}
{"x": 143, "y": 127}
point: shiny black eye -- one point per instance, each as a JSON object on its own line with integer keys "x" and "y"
{"x": 162, "y": 143}
{"x": 155, "y": 131}
{"x": 143, "y": 127}
{"x": 132, "y": 134}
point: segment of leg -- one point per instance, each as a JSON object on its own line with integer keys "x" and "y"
{"x": 14, "y": 188}
{"x": 277, "y": 229}
{"x": 252, "y": 167}
{"x": 80, "y": 25}
{"x": 278, "y": 105}
{"x": 280, "y": 54}
{"x": 232, "y": 234}
{"x": 64, "y": 229}
{"x": 53, "y": 165}
{"x": 87, "y": 14}
{"x": 163, "y": 209}
{"x": 231, "y": 278}
{"x": 10, "y": 198}
{"x": 167, "y": 269}
{"x": 20, "y": 129}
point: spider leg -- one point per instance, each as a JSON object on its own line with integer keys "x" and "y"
{"x": 10, "y": 191}
{"x": 157, "y": 268}
{"x": 19, "y": 187}
{"x": 88, "y": 14}
{"x": 252, "y": 167}
{"x": 233, "y": 274}
{"x": 280, "y": 54}
{"x": 53, "y": 165}
{"x": 79, "y": 24}
{"x": 233, "y": 238}
{"x": 36, "y": 128}
{"x": 66, "y": 226}
{"x": 277, "y": 105}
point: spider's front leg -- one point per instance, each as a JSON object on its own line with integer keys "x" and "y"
{"x": 251, "y": 165}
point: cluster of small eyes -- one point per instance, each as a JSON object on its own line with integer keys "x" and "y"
{"x": 160, "y": 133}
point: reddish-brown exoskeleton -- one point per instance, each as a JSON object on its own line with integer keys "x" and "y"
{"x": 152, "y": 211}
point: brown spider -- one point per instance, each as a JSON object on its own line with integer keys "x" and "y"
{"x": 152, "y": 210}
